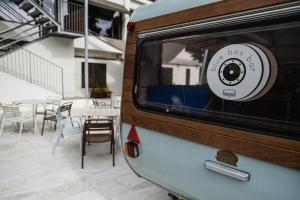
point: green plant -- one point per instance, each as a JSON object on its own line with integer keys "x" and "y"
{"x": 100, "y": 92}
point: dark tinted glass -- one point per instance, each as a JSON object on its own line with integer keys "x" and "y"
{"x": 249, "y": 79}
{"x": 105, "y": 22}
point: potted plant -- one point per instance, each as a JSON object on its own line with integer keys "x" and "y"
{"x": 108, "y": 92}
{"x": 101, "y": 92}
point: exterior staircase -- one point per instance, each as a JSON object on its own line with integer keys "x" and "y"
{"x": 25, "y": 21}
{"x": 34, "y": 69}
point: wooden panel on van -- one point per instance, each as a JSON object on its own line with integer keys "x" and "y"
{"x": 277, "y": 150}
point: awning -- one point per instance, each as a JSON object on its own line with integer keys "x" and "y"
{"x": 96, "y": 44}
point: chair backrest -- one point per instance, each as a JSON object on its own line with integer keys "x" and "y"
{"x": 54, "y": 101}
{"x": 66, "y": 107}
{"x": 116, "y": 101}
{"x": 11, "y": 110}
{"x": 99, "y": 104}
{"x": 95, "y": 103}
{"x": 63, "y": 111}
{"x": 98, "y": 130}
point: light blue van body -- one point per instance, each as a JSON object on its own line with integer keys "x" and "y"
{"x": 163, "y": 7}
{"x": 178, "y": 165}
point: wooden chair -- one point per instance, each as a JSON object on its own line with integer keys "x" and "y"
{"x": 50, "y": 115}
{"x": 97, "y": 131}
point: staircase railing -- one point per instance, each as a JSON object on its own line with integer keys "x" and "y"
{"x": 32, "y": 68}
{"x": 10, "y": 14}
{"x": 43, "y": 7}
{"x": 46, "y": 5}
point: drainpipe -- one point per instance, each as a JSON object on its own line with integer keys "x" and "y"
{"x": 86, "y": 56}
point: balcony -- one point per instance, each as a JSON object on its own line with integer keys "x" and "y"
{"x": 72, "y": 17}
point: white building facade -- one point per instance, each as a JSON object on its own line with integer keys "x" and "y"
{"x": 54, "y": 64}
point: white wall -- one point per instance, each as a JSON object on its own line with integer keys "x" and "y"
{"x": 114, "y": 76}
{"x": 13, "y": 89}
{"x": 98, "y": 44}
{"x": 121, "y": 4}
{"x": 57, "y": 50}
{"x": 179, "y": 74}
{"x": 134, "y": 4}
{"x": 61, "y": 52}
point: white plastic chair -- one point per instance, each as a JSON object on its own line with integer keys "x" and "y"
{"x": 52, "y": 103}
{"x": 116, "y": 101}
{"x": 12, "y": 113}
{"x": 66, "y": 126}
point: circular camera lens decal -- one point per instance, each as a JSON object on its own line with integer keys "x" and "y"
{"x": 232, "y": 72}
{"x": 241, "y": 72}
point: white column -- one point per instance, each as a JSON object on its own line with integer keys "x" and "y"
{"x": 86, "y": 56}
{"x": 125, "y": 20}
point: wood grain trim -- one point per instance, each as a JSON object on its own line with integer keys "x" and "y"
{"x": 129, "y": 63}
{"x": 261, "y": 151}
{"x": 127, "y": 85}
{"x": 127, "y": 97}
{"x": 277, "y": 150}
{"x": 244, "y": 135}
{"x": 130, "y": 48}
{"x": 224, "y": 7}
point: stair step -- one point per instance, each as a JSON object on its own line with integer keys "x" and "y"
{"x": 7, "y": 41}
{"x": 42, "y": 20}
{"x": 25, "y": 5}
{"x": 33, "y": 12}
{"x": 17, "y": 1}
{"x": 49, "y": 26}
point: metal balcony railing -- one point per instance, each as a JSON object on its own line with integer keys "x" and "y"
{"x": 30, "y": 67}
{"x": 72, "y": 17}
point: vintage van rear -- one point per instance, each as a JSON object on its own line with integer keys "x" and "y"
{"x": 211, "y": 98}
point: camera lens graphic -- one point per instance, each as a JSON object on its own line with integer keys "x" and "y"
{"x": 232, "y": 72}
{"x": 242, "y": 72}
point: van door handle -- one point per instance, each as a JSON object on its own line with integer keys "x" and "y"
{"x": 227, "y": 171}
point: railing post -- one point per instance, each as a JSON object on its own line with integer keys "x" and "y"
{"x": 62, "y": 83}
{"x": 62, "y": 17}
{"x": 86, "y": 56}
{"x": 30, "y": 78}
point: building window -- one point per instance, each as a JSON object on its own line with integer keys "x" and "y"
{"x": 166, "y": 76}
{"x": 97, "y": 75}
{"x": 105, "y": 22}
{"x": 188, "y": 75}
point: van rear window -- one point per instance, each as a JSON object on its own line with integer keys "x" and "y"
{"x": 248, "y": 79}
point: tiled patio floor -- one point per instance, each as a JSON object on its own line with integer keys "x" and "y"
{"x": 29, "y": 171}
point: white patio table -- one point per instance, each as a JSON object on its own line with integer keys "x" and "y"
{"x": 34, "y": 103}
{"x": 101, "y": 112}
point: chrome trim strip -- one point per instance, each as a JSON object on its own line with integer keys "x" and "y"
{"x": 237, "y": 18}
{"x": 227, "y": 171}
